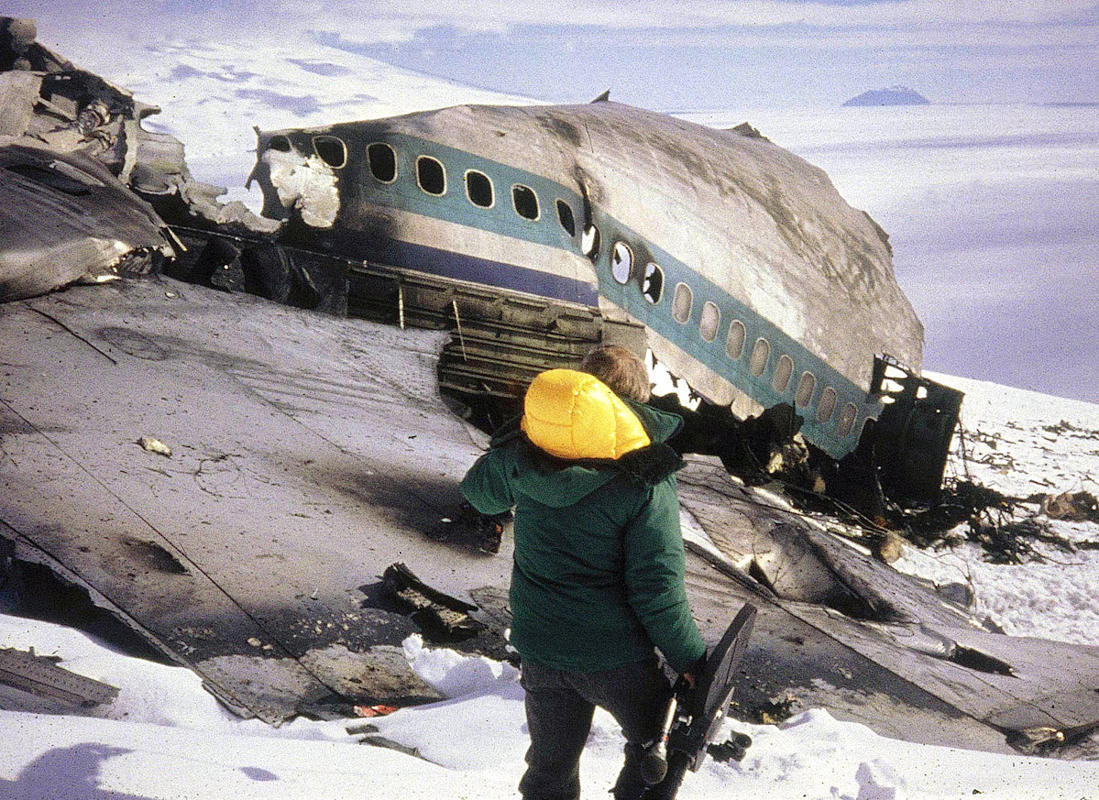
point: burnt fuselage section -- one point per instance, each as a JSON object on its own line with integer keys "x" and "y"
{"x": 753, "y": 279}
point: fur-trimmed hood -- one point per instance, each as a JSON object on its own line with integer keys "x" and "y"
{"x": 576, "y": 435}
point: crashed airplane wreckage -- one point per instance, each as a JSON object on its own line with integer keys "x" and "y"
{"x": 303, "y": 454}
{"x": 736, "y": 263}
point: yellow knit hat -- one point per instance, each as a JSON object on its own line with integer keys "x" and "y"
{"x": 574, "y": 415}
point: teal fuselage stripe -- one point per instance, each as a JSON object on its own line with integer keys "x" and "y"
{"x": 454, "y": 206}
{"x": 687, "y": 337}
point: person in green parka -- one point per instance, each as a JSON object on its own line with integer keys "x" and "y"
{"x": 597, "y": 580}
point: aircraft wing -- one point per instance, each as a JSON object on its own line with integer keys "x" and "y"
{"x": 310, "y": 452}
{"x": 839, "y": 629}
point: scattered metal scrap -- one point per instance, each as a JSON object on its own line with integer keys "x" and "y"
{"x": 49, "y": 101}
{"x": 442, "y": 618}
{"x": 1071, "y": 506}
{"x": 83, "y": 186}
{"x": 40, "y": 675}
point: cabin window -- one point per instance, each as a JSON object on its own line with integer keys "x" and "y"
{"x": 652, "y": 285}
{"x": 383, "y": 162}
{"x": 682, "y": 302}
{"x": 621, "y": 262}
{"x": 806, "y": 386}
{"x": 332, "y": 151}
{"x": 761, "y": 354}
{"x": 847, "y": 419}
{"x": 431, "y": 175}
{"x": 783, "y": 372}
{"x": 827, "y": 405}
{"x": 479, "y": 189}
{"x": 734, "y": 340}
{"x": 709, "y": 321}
{"x": 525, "y": 201}
{"x": 589, "y": 243}
{"x": 565, "y": 217}
{"x": 280, "y": 143}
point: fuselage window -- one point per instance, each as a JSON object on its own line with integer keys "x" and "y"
{"x": 589, "y": 243}
{"x": 280, "y": 143}
{"x": 761, "y": 354}
{"x": 479, "y": 189}
{"x": 331, "y": 150}
{"x": 682, "y": 302}
{"x": 806, "y": 386}
{"x": 621, "y": 262}
{"x": 783, "y": 372}
{"x": 847, "y": 419}
{"x": 383, "y": 162}
{"x": 525, "y": 201}
{"x": 565, "y": 217}
{"x": 710, "y": 321}
{"x": 431, "y": 175}
{"x": 827, "y": 405}
{"x": 652, "y": 286}
{"x": 734, "y": 341}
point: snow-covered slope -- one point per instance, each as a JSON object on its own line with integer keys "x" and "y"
{"x": 164, "y": 737}
{"x": 1023, "y": 443}
{"x": 213, "y": 92}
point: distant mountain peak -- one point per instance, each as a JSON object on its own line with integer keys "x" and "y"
{"x": 893, "y": 96}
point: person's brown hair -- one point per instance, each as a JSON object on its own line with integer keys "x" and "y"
{"x": 620, "y": 369}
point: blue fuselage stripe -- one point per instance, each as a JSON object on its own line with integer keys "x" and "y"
{"x": 438, "y": 261}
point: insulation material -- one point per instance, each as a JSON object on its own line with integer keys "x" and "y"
{"x": 305, "y": 183}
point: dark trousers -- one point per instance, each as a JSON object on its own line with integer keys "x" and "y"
{"x": 560, "y": 705}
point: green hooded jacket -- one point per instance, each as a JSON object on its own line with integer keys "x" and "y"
{"x": 597, "y": 579}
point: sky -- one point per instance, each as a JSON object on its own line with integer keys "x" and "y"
{"x": 688, "y": 54}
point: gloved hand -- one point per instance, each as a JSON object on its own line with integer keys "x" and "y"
{"x": 486, "y": 529}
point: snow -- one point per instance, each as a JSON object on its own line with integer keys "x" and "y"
{"x": 164, "y": 737}
{"x": 213, "y": 91}
{"x": 1021, "y": 443}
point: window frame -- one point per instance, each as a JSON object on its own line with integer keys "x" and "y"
{"x": 810, "y": 379}
{"x": 843, "y": 427}
{"x": 760, "y": 343}
{"x": 652, "y": 268}
{"x": 328, "y": 137}
{"x": 491, "y": 188}
{"x": 784, "y": 368}
{"x": 709, "y": 304}
{"x": 370, "y": 162}
{"x": 419, "y": 181}
{"x": 690, "y": 303}
{"x": 743, "y": 329}
{"x": 828, "y": 401}
{"x": 537, "y": 203}
{"x": 561, "y": 204}
{"x": 621, "y": 281}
